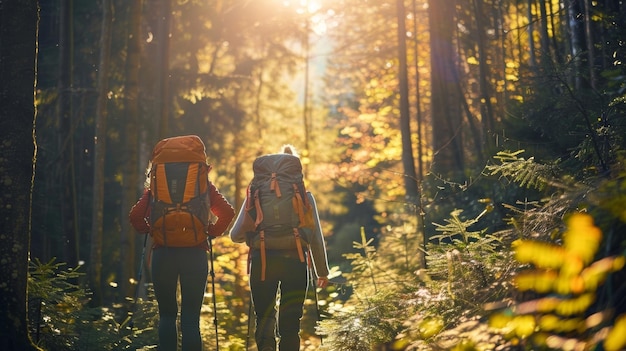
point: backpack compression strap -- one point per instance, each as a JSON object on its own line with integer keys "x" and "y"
{"x": 274, "y": 185}
{"x": 296, "y": 234}
{"x": 263, "y": 258}
{"x": 298, "y": 203}
{"x": 259, "y": 211}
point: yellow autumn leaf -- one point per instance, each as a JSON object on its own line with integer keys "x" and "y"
{"x": 582, "y": 237}
{"x": 524, "y": 325}
{"x": 541, "y": 254}
{"x": 429, "y": 327}
{"x": 616, "y": 339}
{"x": 499, "y": 320}
{"x": 549, "y": 322}
{"x": 573, "y": 265}
{"x": 540, "y": 281}
{"x": 576, "y": 305}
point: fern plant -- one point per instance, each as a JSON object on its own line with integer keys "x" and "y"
{"x": 61, "y": 319}
{"x": 378, "y": 305}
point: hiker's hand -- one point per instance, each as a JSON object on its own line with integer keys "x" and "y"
{"x": 322, "y": 282}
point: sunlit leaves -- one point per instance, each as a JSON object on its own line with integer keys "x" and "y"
{"x": 430, "y": 326}
{"x": 565, "y": 269}
{"x": 616, "y": 340}
{"x": 541, "y": 282}
{"x": 582, "y": 238}
{"x": 525, "y": 172}
{"x": 568, "y": 279}
{"x": 539, "y": 253}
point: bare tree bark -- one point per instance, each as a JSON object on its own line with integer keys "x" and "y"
{"x": 418, "y": 98}
{"x": 532, "y": 59}
{"x": 546, "y": 56}
{"x": 446, "y": 111}
{"x": 65, "y": 173}
{"x": 18, "y": 54}
{"x": 408, "y": 160}
{"x": 576, "y": 27}
{"x": 590, "y": 41}
{"x": 132, "y": 182}
{"x": 164, "y": 67}
{"x": 486, "y": 108}
{"x": 95, "y": 259}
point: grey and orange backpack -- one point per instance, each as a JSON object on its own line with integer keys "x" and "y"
{"x": 179, "y": 189}
{"x": 278, "y": 203}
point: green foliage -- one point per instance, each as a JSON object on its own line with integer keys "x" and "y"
{"x": 376, "y": 308}
{"x": 61, "y": 319}
{"x": 525, "y": 172}
{"x": 396, "y": 303}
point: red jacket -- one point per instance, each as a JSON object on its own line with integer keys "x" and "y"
{"x": 139, "y": 215}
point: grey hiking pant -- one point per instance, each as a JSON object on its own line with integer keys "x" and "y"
{"x": 287, "y": 275}
{"x": 190, "y": 265}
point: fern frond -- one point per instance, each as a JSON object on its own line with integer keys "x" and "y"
{"x": 525, "y": 172}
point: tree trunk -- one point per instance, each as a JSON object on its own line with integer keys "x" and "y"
{"x": 164, "y": 67}
{"x": 132, "y": 182}
{"x": 65, "y": 175}
{"x": 532, "y": 59}
{"x": 590, "y": 45}
{"x": 95, "y": 259}
{"x": 408, "y": 160}
{"x": 18, "y": 48}
{"x": 418, "y": 99}
{"x": 577, "y": 39}
{"x": 446, "y": 112}
{"x": 486, "y": 108}
{"x": 546, "y": 57}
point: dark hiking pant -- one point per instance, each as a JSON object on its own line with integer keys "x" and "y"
{"x": 286, "y": 277}
{"x": 190, "y": 266}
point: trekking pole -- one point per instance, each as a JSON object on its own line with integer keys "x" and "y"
{"x": 249, "y": 322}
{"x": 131, "y": 323}
{"x": 311, "y": 274}
{"x": 317, "y": 304}
{"x": 212, "y": 272}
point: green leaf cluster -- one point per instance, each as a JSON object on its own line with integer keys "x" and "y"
{"x": 60, "y": 317}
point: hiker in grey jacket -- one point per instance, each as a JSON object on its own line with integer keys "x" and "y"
{"x": 280, "y": 266}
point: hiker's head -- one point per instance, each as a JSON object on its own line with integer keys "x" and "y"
{"x": 289, "y": 149}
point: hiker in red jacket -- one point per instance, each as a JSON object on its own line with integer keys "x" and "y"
{"x": 187, "y": 264}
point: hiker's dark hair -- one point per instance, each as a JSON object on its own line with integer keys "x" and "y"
{"x": 289, "y": 149}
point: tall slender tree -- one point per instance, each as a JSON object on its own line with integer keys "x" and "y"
{"x": 95, "y": 266}
{"x": 66, "y": 165}
{"x": 486, "y": 107}
{"x": 164, "y": 67}
{"x": 408, "y": 160}
{"x": 132, "y": 181}
{"x": 18, "y": 53}
{"x": 446, "y": 100}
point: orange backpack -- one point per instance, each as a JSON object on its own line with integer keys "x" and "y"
{"x": 179, "y": 188}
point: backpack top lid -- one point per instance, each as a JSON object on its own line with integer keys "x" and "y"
{"x": 277, "y": 163}
{"x": 186, "y": 148}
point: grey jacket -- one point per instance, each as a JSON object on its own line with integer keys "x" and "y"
{"x": 243, "y": 232}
